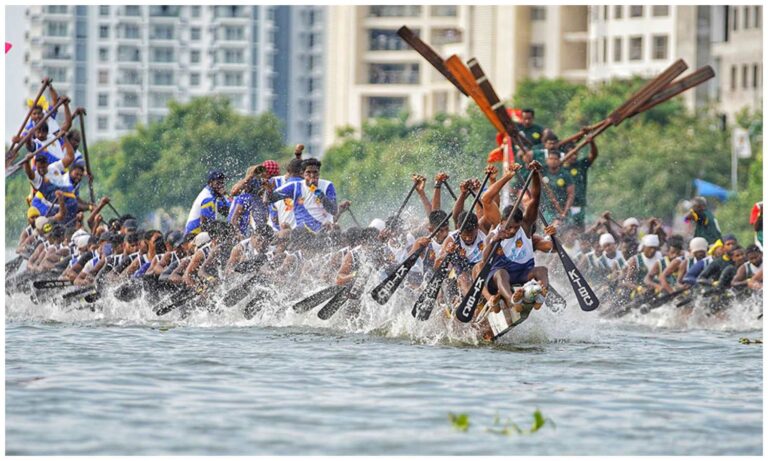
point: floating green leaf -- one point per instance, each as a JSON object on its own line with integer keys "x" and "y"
{"x": 460, "y": 422}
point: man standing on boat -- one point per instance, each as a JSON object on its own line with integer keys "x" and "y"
{"x": 314, "y": 199}
{"x": 209, "y": 202}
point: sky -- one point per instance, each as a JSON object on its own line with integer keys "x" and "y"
{"x": 14, "y": 70}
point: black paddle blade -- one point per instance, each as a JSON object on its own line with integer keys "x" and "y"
{"x": 466, "y": 310}
{"x": 555, "y": 300}
{"x": 422, "y": 309}
{"x": 584, "y": 294}
{"x": 48, "y": 284}
{"x": 239, "y": 293}
{"x": 173, "y": 302}
{"x": 13, "y": 265}
{"x": 387, "y": 288}
{"x": 315, "y": 299}
{"x": 78, "y": 292}
{"x": 334, "y": 304}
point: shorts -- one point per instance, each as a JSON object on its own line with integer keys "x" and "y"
{"x": 518, "y": 273}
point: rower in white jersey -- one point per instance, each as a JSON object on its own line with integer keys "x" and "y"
{"x": 314, "y": 199}
{"x": 425, "y": 265}
{"x": 252, "y": 247}
{"x": 639, "y": 265}
{"x": 513, "y": 264}
{"x": 465, "y": 249}
{"x": 612, "y": 260}
{"x": 281, "y": 212}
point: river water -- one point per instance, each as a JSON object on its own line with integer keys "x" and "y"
{"x": 123, "y": 382}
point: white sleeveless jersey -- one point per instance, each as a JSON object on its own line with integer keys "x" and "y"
{"x": 617, "y": 261}
{"x": 473, "y": 252}
{"x": 518, "y": 248}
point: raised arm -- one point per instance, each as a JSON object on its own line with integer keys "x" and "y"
{"x": 458, "y": 207}
{"x": 420, "y": 182}
{"x": 592, "y": 152}
{"x": 440, "y": 178}
{"x": 64, "y": 127}
{"x": 532, "y": 210}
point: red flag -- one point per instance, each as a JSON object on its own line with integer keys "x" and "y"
{"x": 7, "y": 47}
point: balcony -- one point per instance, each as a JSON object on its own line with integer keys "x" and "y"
{"x": 164, "y": 11}
{"x": 393, "y": 74}
{"x": 394, "y": 11}
{"x": 131, "y": 11}
{"x": 386, "y": 40}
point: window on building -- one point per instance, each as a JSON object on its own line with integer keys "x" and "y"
{"x": 234, "y": 56}
{"x": 103, "y": 77}
{"x": 57, "y": 74}
{"x": 103, "y": 99}
{"x": 194, "y": 34}
{"x": 660, "y": 46}
{"x": 636, "y": 11}
{"x": 386, "y": 39}
{"x": 103, "y": 123}
{"x": 162, "y": 32}
{"x": 159, "y": 100}
{"x": 57, "y": 9}
{"x": 195, "y": 11}
{"x": 733, "y": 78}
{"x": 745, "y": 76}
{"x": 538, "y": 13}
{"x": 130, "y": 77}
{"x": 130, "y": 100}
{"x": 126, "y": 121}
{"x": 194, "y": 79}
{"x": 388, "y": 74}
{"x": 536, "y": 56}
{"x": 746, "y": 17}
{"x": 445, "y": 11}
{"x": 758, "y": 16}
{"x": 605, "y": 12}
{"x": 635, "y": 48}
{"x": 233, "y": 79}
{"x": 162, "y": 54}
{"x": 131, "y": 31}
{"x": 104, "y": 10}
{"x": 103, "y": 54}
{"x": 103, "y": 31}
{"x": 618, "y": 11}
{"x": 194, "y": 56}
{"x": 388, "y": 11}
{"x": 162, "y": 77}
{"x": 57, "y": 29}
{"x": 132, "y": 10}
{"x": 234, "y": 33}
{"x": 605, "y": 50}
{"x": 382, "y": 106}
{"x": 617, "y": 42}
{"x": 735, "y": 11}
{"x": 755, "y": 76}
{"x": 593, "y": 51}
{"x": 659, "y": 11}
{"x": 442, "y": 36}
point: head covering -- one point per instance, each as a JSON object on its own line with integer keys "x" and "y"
{"x": 78, "y": 233}
{"x": 698, "y": 244}
{"x": 105, "y": 236}
{"x": 187, "y": 238}
{"x": 33, "y": 212}
{"x": 175, "y": 238}
{"x": 631, "y": 222}
{"x": 272, "y": 167}
{"x": 40, "y": 222}
{"x": 216, "y": 175}
{"x": 378, "y": 224}
{"x": 714, "y": 247}
{"x": 81, "y": 242}
{"x": 650, "y": 240}
{"x": 606, "y": 238}
{"x": 729, "y": 238}
{"x": 201, "y": 239}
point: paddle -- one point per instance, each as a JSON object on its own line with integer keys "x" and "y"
{"x": 354, "y": 219}
{"x": 174, "y": 301}
{"x": 11, "y": 154}
{"x": 387, "y": 288}
{"x": 429, "y": 54}
{"x": 81, "y": 116}
{"x": 402, "y": 207}
{"x": 48, "y": 284}
{"x": 346, "y": 294}
{"x": 466, "y": 310}
{"x": 660, "y": 301}
{"x": 17, "y": 166}
{"x": 424, "y": 305}
{"x": 46, "y": 81}
{"x": 14, "y": 264}
{"x": 316, "y": 298}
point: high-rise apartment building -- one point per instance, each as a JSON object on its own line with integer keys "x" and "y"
{"x": 738, "y": 58}
{"x": 124, "y": 63}
{"x": 371, "y": 72}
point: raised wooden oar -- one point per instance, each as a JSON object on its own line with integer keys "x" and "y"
{"x": 12, "y": 153}
{"x": 429, "y": 54}
{"x": 17, "y": 166}
{"x": 81, "y": 116}
{"x": 47, "y": 81}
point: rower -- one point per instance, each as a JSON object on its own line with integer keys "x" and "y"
{"x": 314, "y": 199}
{"x": 209, "y": 202}
{"x": 612, "y": 261}
{"x": 465, "y": 249}
{"x": 251, "y": 248}
{"x": 281, "y": 212}
{"x": 705, "y": 223}
{"x": 655, "y": 278}
{"x": 48, "y": 177}
{"x": 747, "y": 270}
{"x": 514, "y": 264}
{"x": 203, "y": 248}
{"x": 559, "y": 202}
{"x": 639, "y": 265}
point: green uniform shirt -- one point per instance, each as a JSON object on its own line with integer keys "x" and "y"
{"x": 533, "y": 133}
{"x": 578, "y": 172}
{"x": 706, "y": 226}
{"x": 540, "y": 155}
{"x": 559, "y": 183}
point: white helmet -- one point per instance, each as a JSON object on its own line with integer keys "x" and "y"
{"x": 606, "y": 238}
{"x": 379, "y": 224}
{"x": 631, "y": 222}
{"x": 201, "y": 239}
{"x": 698, "y": 244}
{"x": 650, "y": 240}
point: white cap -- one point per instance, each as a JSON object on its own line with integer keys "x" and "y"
{"x": 81, "y": 242}
{"x": 631, "y": 222}
{"x": 650, "y": 240}
{"x": 41, "y": 221}
{"x": 379, "y": 224}
{"x": 78, "y": 233}
{"x": 606, "y": 238}
{"x": 201, "y": 239}
{"x": 698, "y": 244}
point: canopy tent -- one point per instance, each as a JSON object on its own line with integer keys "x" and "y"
{"x": 708, "y": 189}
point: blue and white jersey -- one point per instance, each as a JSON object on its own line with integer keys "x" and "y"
{"x": 472, "y": 253}
{"x": 55, "y": 151}
{"x": 53, "y": 125}
{"x": 56, "y": 178}
{"x": 282, "y": 211}
{"x": 517, "y": 249}
{"x": 205, "y": 205}
{"x": 307, "y": 207}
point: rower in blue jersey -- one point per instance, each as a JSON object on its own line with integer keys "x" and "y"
{"x": 48, "y": 178}
{"x": 209, "y": 202}
{"x": 314, "y": 199}
{"x": 281, "y": 212}
{"x": 246, "y": 206}
{"x": 47, "y": 132}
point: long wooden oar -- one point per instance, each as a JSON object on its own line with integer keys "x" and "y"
{"x": 17, "y": 166}
{"x": 12, "y": 153}
{"x": 81, "y": 116}
{"x": 429, "y": 54}
{"x": 46, "y": 82}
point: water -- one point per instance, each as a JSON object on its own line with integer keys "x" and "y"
{"x": 123, "y": 382}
